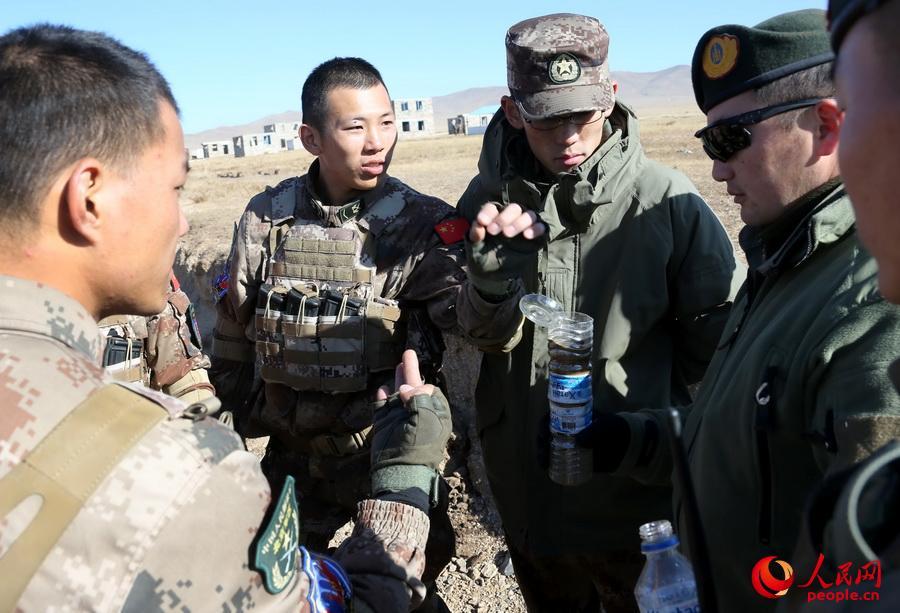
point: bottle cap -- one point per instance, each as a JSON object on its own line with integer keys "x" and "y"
{"x": 542, "y": 310}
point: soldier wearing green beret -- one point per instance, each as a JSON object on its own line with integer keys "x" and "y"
{"x": 797, "y": 389}
{"x": 620, "y": 238}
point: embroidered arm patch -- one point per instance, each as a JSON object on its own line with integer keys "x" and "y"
{"x": 278, "y": 544}
{"x": 452, "y": 230}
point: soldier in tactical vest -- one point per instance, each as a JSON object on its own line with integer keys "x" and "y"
{"x": 331, "y": 276}
{"x": 163, "y": 352}
{"x": 114, "y": 496}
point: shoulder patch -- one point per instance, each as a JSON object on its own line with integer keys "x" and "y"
{"x": 278, "y": 544}
{"x": 221, "y": 283}
{"x": 452, "y": 230}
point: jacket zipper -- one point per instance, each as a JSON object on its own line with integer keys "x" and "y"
{"x": 765, "y": 415}
{"x": 576, "y": 266}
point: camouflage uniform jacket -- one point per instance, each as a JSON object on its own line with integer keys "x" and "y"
{"x": 155, "y": 530}
{"x": 173, "y": 354}
{"x": 634, "y": 246}
{"x": 413, "y": 265}
{"x": 798, "y": 390}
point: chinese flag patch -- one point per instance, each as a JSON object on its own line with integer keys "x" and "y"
{"x": 452, "y": 230}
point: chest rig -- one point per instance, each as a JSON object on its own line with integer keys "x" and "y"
{"x": 124, "y": 356}
{"x": 320, "y": 324}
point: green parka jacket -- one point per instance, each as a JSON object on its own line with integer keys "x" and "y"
{"x": 797, "y": 390}
{"x": 633, "y": 245}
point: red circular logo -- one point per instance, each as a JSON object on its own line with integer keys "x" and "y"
{"x": 765, "y": 583}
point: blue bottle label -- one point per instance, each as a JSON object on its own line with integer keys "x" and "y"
{"x": 569, "y": 389}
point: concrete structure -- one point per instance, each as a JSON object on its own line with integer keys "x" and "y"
{"x": 217, "y": 148}
{"x": 475, "y": 122}
{"x": 289, "y": 129}
{"x": 196, "y": 153}
{"x": 414, "y": 116}
{"x": 258, "y": 143}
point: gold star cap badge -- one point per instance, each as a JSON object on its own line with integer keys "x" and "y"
{"x": 565, "y": 68}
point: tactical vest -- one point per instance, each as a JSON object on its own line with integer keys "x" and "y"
{"x": 124, "y": 355}
{"x": 319, "y": 324}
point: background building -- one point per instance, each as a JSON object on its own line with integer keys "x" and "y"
{"x": 474, "y": 122}
{"x": 415, "y": 117}
{"x": 218, "y": 148}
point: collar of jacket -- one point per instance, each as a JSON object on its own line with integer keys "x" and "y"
{"x": 40, "y": 309}
{"x": 567, "y": 201}
{"x": 296, "y": 188}
{"x": 894, "y": 374}
{"x": 820, "y": 217}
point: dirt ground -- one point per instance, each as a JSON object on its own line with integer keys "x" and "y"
{"x": 480, "y": 578}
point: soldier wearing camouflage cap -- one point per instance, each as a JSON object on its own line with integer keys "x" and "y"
{"x": 796, "y": 390}
{"x": 114, "y": 496}
{"x": 566, "y": 204}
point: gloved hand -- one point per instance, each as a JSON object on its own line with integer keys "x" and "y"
{"x": 608, "y": 436}
{"x": 410, "y": 433}
{"x": 501, "y": 245}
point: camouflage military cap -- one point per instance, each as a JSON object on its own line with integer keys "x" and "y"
{"x": 557, "y": 64}
{"x": 732, "y": 59}
{"x": 842, "y": 14}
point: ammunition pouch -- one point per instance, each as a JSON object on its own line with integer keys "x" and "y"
{"x": 318, "y": 325}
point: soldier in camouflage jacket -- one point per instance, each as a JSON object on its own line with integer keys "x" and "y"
{"x": 114, "y": 496}
{"x": 330, "y": 276}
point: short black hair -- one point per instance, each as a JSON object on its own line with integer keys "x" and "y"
{"x": 352, "y": 72}
{"x": 814, "y": 82}
{"x": 66, "y": 94}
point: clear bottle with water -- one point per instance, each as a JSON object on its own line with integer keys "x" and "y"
{"x": 666, "y": 584}
{"x": 570, "y": 394}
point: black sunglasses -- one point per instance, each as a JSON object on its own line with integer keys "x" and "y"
{"x": 724, "y": 138}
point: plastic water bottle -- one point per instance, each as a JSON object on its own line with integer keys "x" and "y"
{"x": 570, "y": 394}
{"x": 571, "y": 341}
{"x": 666, "y": 584}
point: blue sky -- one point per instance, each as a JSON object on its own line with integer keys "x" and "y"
{"x": 232, "y": 62}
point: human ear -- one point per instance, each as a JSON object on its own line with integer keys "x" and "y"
{"x": 81, "y": 210}
{"x": 311, "y": 139}
{"x": 511, "y": 110}
{"x": 829, "y": 119}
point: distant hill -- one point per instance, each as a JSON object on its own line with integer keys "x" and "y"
{"x": 226, "y": 132}
{"x": 665, "y": 88}
{"x": 669, "y": 88}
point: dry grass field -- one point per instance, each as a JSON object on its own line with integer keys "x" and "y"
{"x": 218, "y": 189}
{"x": 478, "y": 579}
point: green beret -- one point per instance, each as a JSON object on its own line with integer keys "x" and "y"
{"x": 842, "y": 14}
{"x": 732, "y": 59}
